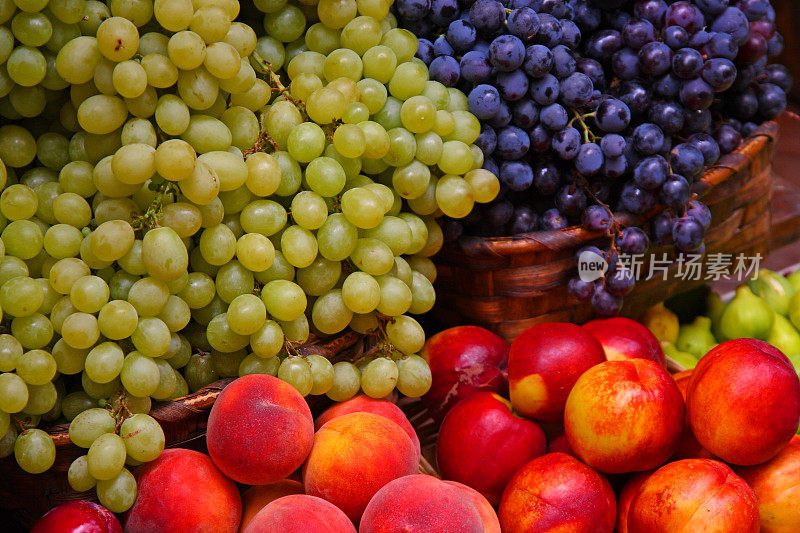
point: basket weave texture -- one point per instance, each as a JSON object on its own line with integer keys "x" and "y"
{"x": 507, "y": 284}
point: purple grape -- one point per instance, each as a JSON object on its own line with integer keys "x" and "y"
{"x": 544, "y": 90}
{"x": 647, "y": 138}
{"x": 576, "y": 90}
{"x": 696, "y": 94}
{"x": 727, "y": 138}
{"x": 525, "y": 114}
{"x": 484, "y": 101}
{"x": 538, "y": 61}
{"x": 516, "y": 175}
{"x": 487, "y": 16}
{"x": 699, "y": 212}
{"x": 654, "y": 58}
{"x": 553, "y": 116}
{"x": 675, "y": 192}
{"x": 603, "y": 44}
{"x": 667, "y": 86}
{"x": 613, "y": 145}
{"x": 612, "y": 115}
{"x": 662, "y": 228}
{"x": 413, "y": 9}
{"x": 625, "y": 64}
{"x": 667, "y": 115}
{"x": 577, "y": 288}
{"x": 651, "y": 172}
{"x": 712, "y": 7}
{"x": 687, "y": 63}
{"x": 524, "y": 220}
{"x": 523, "y": 23}
{"x": 425, "y": 51}
{"x": 512, "y": 143}
{"x": 614, "y": 167}
{"x": 571, "y": 200}
{"x": 685, "y": 15}
{"x": 652, "y": 10}
{"x": 675, "y": 37}
{"x": 595, "y": 218}
{"x": 604, "y": 303}
{"x": 487, "y": 140}
{"x": 707, "y": 146}
{"x": 570, "y": 34}
{"x": 550, "y": 31}
{"x": 721, "y": 45}
{"x": 593, "y": 69}
{"x": 445, "y": 70}
{"x": 452, "y": 230}
{"x": 635, "y": 199}
{"x": 620, "y": 282}
{"x": 499, "y": 213}
{"x": 475, "y": 67}
{"x": 512, "y": 85}
{"x": 502, "y": 118}
{"x": 589, "y": 159}
{"x": 687, "y": 234}
{"x": 638, "y": 32}
{"x": 686, "y": 160}
{"x": 546, "y": 178}
{"x": 443, "y": 12}
{"x": 778, "y": 75}
{"x": 635, "y": 96}
{"x": 633, "y": 241}
{"x": 441, "y": 47}
{"x": 733, "y": 22}
{"x": 540, "y": 139}
{"x": 771, "y": 100}
{"x": 567, "y": 143}
{"x": 506, "y": 53}
{"x": 461, "y": 35}
{"x": 552, "y": 219}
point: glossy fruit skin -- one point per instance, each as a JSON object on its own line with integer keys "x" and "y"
{"x": 623, "y": 338}
{"x": 761, "y": 382}
{"x": 78, "y": 516}
{"x": 544, "y": 363}
{"x": 464, "y": 360}
{"x": 482, "y": 443}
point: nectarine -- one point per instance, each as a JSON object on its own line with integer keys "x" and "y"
{"x": 78, "y": 516}
{"x": 256, "y": 498}
{"x": 623, "y": 338}
{"x": 298, "y": 513}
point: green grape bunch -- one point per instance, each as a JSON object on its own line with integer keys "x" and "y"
{"x": 191, "y": 189}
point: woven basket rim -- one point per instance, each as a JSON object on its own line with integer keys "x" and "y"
{"x": 573, "y": 236}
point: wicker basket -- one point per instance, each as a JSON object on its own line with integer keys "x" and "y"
{"x": 508, "y": 284}
{"x": 27, "y": 496}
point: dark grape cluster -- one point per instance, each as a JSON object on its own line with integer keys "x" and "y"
{"x": 595, "y": 107}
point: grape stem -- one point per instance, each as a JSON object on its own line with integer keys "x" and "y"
{"x": 588, "y": 136}
{"x": 614, "y": 225}
{"x": 276, "y": 83}
{"x": 151, "y": 217}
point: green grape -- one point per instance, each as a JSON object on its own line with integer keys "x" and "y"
{"x": 230, "y": 169}
{"x": 65, "y": 272}
{"x": 379, "y": 377}
{"x": 140, "y": 375}
{"x": 393, "y": 231}
{"x": 18, "y": 202}
{"x": 296, "y": 371}
{"x": 361, "y": 34}
{"x": 395, "y": 296}
{"x": 10, "y": 352}
{"x": 263, "y": 216}
{"x": 402, "y": 147}
{"x": 88, "y": 425}
{"x": 454, "y": 195}
{"x": 217, "y": 244}
{"x": 100, "y": 390}
{"x": 17, "y": 147}
{"x": 233, "y": 280}
{"x": 242, "y": 37}
{"x": 336, "y": 14}
{"x": 75, "y": 403}
{"x": 69, "y": 360}
{"x": 330, "y": 314}
{"x": 253, "y": 364}
{"x": 199, "y": 291}
{"x": 78, "y": 475}
{"x": 408, "y": 79}
{"x": 361, "y": 292}
{"x": 418, "y": 114}
{"x": 106, "y": 456}
{"x": 255, "y": 252}
{"x": 372, "y": 256}
{"x": 322, "y": 374}
{"x": 263, "y": 174}
{"x": 346, "y": 382}
{"x": 117, "y": 494}
{"x": 181, "y": 387}
{"x": 31, "y": 29}
{"x": 355, "y": 113}
{"x": 322, "y": 39}
{"x": 435, "y": 238}
{"x": 21, "y": 296}
{"x": 326, "y": 105}
{"x": 255, "y": 98}
{"x": 226, "y": 364}
{"x": 176, "y": 314}
{"x": 377, "y": 139}
{"x": 362, "y": 207}
{"x": 172, "y": 115}
{"x": 101, "y": 114}
{"x": 204, "y": 315}
{"x": 419, "y": 232}
{"x": 89, "y": 294}
{"x": 485, "y": 185}
{"x": 267, "y": 342}
{"x": 80, "y": 330}
{"x": 286, "y": 24}
{"x": 305, "y": 142}
{"x": 167, "y": 381}
{"x": 207, "y": 134}
{"x": 34, "y": 451}
{"x": 402, "y": 42}
{"x": 405, "y": 334}
{"x": 299, "y": 246}
{"x": 466, "y": 127}
{"x": 13, "y": 393}
{"x": 223, "y": 339}
{"x": 62, "y": 240}
{"x": 36, "y": 367}
{"x": 148, "y": 296}
{"x": 151, "y": 338}
{"x": 284, "y": 300}
{"x": 23, "y": 239}
{"x": 319, "y": 277}
{"x": 246, "y": 314}
{"x": 199, "y": 372}
{"x": 211, "y": 23}
{"x": 173, "y": 15}
{"x": 117, "y": 319}
{"x": 26, "y": 65}
{"x": 296, "y": 330}
{"x": 437, "y": 94}
{"x": 429, "y": 148}
{"x": 309, "y": 210}
{"x": 138, "y": 404}
{"x": 7, "y": 442}
{"x": 41, "y": 399}
{"x": 104, "y": 362}
{"x": 388, "y": 116}
{"x": 414, "y": 376}
{"x": 143, "y": 436}
{"x": 112, "y": 240}
{"x": 282, "y": 117}
{"x": 305, "y": 84}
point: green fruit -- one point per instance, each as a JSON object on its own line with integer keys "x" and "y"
{"x": 661, "y": 322}
{"x": 696, "y": 338}
{"x": 684, "y": 359}
{"x": 715, "y": 308}
{"x": 794, "y": 280}
{"x": 786, "y": 338}
{"x": 747, "y": 316}
{"x": 794, "y": 310}
{"x": 774, "y": 289}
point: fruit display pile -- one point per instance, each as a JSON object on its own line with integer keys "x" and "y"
{"x": 591, "y": 108}
{"x": 767, "y": 308}
{"x": 584, "y": 418}
{"x": 187, "y": 198}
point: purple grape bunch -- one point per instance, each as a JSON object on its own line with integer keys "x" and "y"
{"x": 591, "y": 108}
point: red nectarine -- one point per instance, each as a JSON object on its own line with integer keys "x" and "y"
{"x": 256, "y": 498}
{"x": 298, "y": 513}
{"x": 78, "y": 516}
{"x": 623, "y": 338}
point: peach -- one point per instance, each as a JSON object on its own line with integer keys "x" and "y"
{"x": 556, "y": 492}
{"x": 364, "y": 404}
{"x": 260, "y": 430}
{"x": 353, "y": 456}
{"x": 625, "y": 498}
{"x": 623, "y": 338}
{"x": 544, "y": 363}
{"x": 743, "y": 401}
{"x": 420, "y": 503}
{"x": 482, "y": 444}
{"x": 299, "y": 513}
{"x": 624, "y": 416}
{"x": 256, "y": 498}
{"x": 693, "y": 495}
{"x": 182, "y": 491}
{"x": 463, "y": 361}
{"x": 776, "y": 484}
{"x": 491, "y": 524}
{"x": 688, "y": 447}
{"x": 78, "y": 516}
